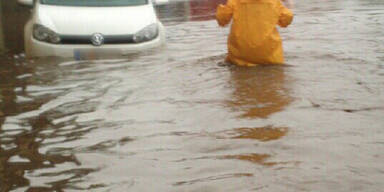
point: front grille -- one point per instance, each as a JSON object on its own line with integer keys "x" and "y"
{"x": 86, "y": 39}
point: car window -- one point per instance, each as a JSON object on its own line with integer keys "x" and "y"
{"x": 95, "y": 3}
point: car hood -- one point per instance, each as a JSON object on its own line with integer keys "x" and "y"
{"x": 89, "y": 20}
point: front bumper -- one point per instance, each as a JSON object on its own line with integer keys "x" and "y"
{"x": 35, "y": 48}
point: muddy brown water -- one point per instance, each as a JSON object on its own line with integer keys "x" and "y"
{"x": 177, "y": 119}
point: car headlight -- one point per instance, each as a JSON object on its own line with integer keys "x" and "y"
{"x": 148, "y": 33}
{"x": 42, "y": 33}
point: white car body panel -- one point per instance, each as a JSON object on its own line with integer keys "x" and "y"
{"x": 71, "y": 20}
{"x": 89, "y": 20}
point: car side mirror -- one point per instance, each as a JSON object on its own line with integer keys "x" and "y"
{"x": 160, "y": 2}
{"x": 27, "y": 3}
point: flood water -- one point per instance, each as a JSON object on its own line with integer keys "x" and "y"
{"x": 177, "y": 119}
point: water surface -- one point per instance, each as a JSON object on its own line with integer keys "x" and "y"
{"x": 178, "y": 119}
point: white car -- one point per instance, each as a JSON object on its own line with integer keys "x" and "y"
{"x": 73, "y": 28}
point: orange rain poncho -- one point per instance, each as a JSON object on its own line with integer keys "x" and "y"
{"x": 254, "y": 38}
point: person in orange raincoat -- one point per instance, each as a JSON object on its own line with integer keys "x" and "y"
{"x": 254, "y": 38}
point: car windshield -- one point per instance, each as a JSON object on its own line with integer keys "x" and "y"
{"x": 95, "y": 3}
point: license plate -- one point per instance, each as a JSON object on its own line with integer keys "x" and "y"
{"x": 95, "y": 54}
{"x": 84, "y": 55}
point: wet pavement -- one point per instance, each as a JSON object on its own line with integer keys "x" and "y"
{"x": 177, "y": 119}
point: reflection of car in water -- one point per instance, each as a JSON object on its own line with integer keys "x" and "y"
{"x": 73, "y": 28}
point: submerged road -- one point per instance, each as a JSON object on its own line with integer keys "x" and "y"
{"x": 176, "y": 119}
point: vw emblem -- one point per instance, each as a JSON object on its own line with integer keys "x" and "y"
{"x": 97, "y": 39}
